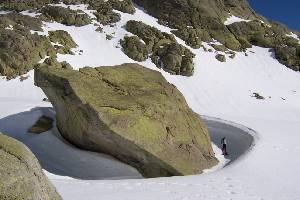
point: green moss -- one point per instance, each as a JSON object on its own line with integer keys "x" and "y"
{"x": 21, "y": 5}
{"x": 134, "y": 48}
{"x": 62, "y": 37}
{"x": 135, "y": 109}
{"x": 125, "y": 6}
{"x": 21, "y": 50}
{"x": 219, "y": 47}
{"x": 166, "y": 52}
{"x": 20, "y": 168}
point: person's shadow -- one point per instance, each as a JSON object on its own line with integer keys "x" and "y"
{"x": 59, "y": 157}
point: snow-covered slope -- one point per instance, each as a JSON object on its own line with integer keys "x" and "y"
{"x": 223, "y": 90}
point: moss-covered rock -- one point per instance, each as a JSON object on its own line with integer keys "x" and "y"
{"x": 18, "y": 21}
{"x": 43, "y": 124}
{"x": 203, "y": 20}
{"x": 62, "y": 37}
{"x": 65, "y": 16}
{"x": 289, "y": 56}
{"x": 134, "y": 48}
{"x": 63, "y": 41}
{"x": 274, "y": 36}
{"x": 20, "y": 5}
{"x": 131, "y": 113}
{"x": 193, "y": 37}
{"x": 21, "y": 175}
{"x": 221, "y": 57}
{"x": 218, "y": 47}
{"x": 149, "y": 34}
{"x": 104, "y": 12}
{"x": 125, "y": 6}
{"x": 200, "y": 20}
{"x": 20, "y": 50}
{"x": 175, "y": 59}
{"x": 51, "y": 61}
{"x": 165, "y": 52}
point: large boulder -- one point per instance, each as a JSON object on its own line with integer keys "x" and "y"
{"x": 21, "y": 176}
{"x": 131, "y": 113}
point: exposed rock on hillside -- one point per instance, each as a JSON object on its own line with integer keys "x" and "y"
{"x": 105, "y": 9}
{"x": 165, "y": 52}
{"x": 63, "y": 41}
{"x": 20, "y": 49}
{"x": 65, "y": 16}
{"x": 287, "y": 49}
{"x": 221, "y": 57}
{"x": 130, "y": 112}
{"x": 134, "y": 48}
{"x": 20, "y": 5}
{"x": 21, "y": 175}
{"x": 200, "y": 20}
{"x": 203, "y": 20}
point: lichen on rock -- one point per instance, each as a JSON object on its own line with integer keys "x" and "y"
{"x": 21, "y": 175}
{"x": 202, "y": 20}
{"x": 162, "y": 47}
{"x": 21, "y": 5}
{"x": 63, "y": 42}
{"x": 134, "y": 48}
{"x": 20, "y": 49}
{"x": 65, "y": 16}
{"x": 131, "y": 113}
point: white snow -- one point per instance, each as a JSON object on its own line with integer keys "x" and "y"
{"x": 232, "y": 19}
{"x": 222, "y": 160}
{"x": 270, "y": 171}
{"x": 293, "y": 35}
{"x": 10, "y": 27}
{"x": 4, "y": 12}
{"x": 30, "y": 13}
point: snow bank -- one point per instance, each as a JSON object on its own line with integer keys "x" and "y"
{"x": 293, "y": 35}
{"x": 232, "y": 19}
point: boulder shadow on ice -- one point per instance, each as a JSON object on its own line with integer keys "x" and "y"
{"x": 59, "y": 157}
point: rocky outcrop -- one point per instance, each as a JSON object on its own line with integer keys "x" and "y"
{"x": 105, "y": 10}
{"x": 134, "y": 48}
{"x": 221, "y": 57}
{"x": 63, "y": 42}
{"x": 65, "y": 16}
{"x": 196, "y": 21}
{"x": 20, "y": 5}
{"x": 21, "y": 176}
{"x": 20, "y": 49}
{"x": 199, "y": 20}
{"x": 286, "y": 48}
{"x": 131, "y": 113}
{"x": 162, "y": 47}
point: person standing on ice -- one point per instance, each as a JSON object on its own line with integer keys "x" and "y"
{"x": 224, "y": 146}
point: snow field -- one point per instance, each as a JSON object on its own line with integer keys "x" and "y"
{"x": 270, "y": 171}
